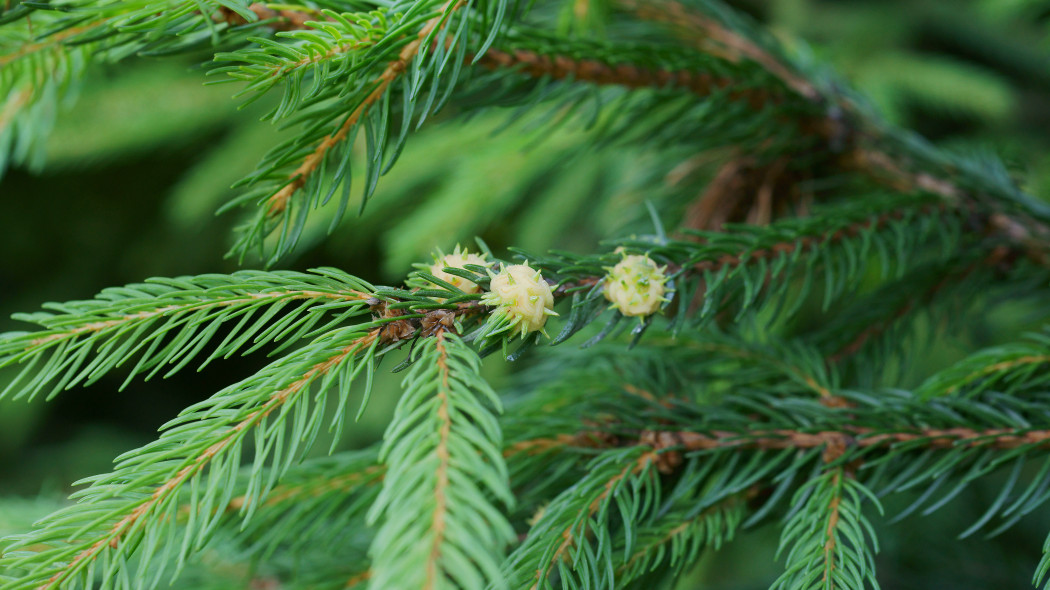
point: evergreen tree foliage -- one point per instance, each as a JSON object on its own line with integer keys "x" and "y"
{"x": 733, "y": 357}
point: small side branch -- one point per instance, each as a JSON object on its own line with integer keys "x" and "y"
{"x": 1000, "y": 258}
{"x": 437, "y": 521}
{"x": 102, "y": 325}
{"x": 791, "y": 246}
{"x": 340, "y": 484}
{"x": 568, "y": 535}
{"x": 716, "y": 519}
{"x": 278, "y": 202}
{"x": 51, "y": 42}
{"x": 831, "y": 532}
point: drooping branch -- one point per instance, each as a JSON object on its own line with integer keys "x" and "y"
{"x": 807, "y": 242}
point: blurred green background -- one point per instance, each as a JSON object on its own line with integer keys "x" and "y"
{"x": 140, "y": 162}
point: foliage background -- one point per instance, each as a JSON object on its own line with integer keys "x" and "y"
{"x": 138, "y": 166}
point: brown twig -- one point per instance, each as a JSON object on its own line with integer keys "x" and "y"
{"x": 667, "y": 445}
{"x": 357, "y": 579}
{"x": 562, "y": 67}
{"x": 537, "y": 446}
{"x": 932, "y": 438}
{"x": 720, "y": 41}
{"x": 279, "y": 20}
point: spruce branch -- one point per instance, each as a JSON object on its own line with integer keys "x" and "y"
{"x": 560, "y": 535}
{"x": 45, "y": 53}
{"x": 839, "y": 554}
{"x": 279, "y": 201}
{"x": 630, "y": 464}
{"x": 740, "y": 272}
{"x": 315, "y": 504}
{"x": 649, "y": 94}
{"x": 166, "y": 323}
{"x": 535, "y": 446}
{"x": 314, "y": 51}
{"x": 280, "y": 19}
{"x": 675, "y": 539}
{"x": 1011, "y": 368}
{"x": 275, "y": 207}
{"x": 124, "y": 512}
{"x": 52, "y": 42}
{"x": 853, "y": 438}
{"x": 439, "y": 525}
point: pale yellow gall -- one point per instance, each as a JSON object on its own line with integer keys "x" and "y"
{"x": 458, "y": 259}
{"x": 636, "y": 286}
{"x": 521, "y": 297}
